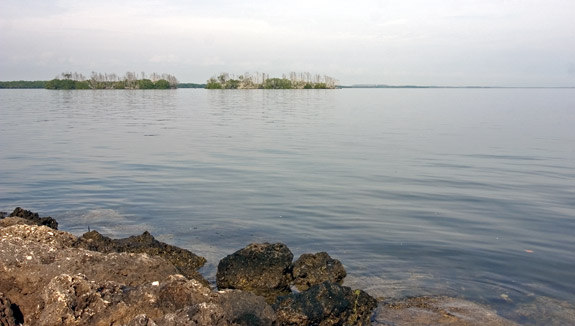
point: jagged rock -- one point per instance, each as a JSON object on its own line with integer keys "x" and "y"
{"x": 34, "y": 218}
{"x": 325, "y": 304}
{"x": 10, "y": 314}
{"x": 312, "y": 269}
{"x": 263, "y": 269}
{"x": 436, "y": 311}
{"x": 185, "y": 261}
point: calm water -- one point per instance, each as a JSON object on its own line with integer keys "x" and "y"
{"x": 467, "y": 192}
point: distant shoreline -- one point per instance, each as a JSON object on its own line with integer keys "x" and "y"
{"x": 41, "y": 84}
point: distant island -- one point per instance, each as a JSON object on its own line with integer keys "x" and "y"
{"x": 223, "y": 81}
{"x": 303, "y": 80}
{"x": 130, "y": 80}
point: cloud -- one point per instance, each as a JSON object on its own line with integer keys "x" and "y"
{"x": 412, "y": 41}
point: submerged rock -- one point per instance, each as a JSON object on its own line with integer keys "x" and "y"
{"x": 263, "y": 269}
{"x": 312, "y": 269}
{"x": 325, "y": 304}
{"x": 34, "y": 218}
{"x": 184, "y": 260}
{"x": 436, "y": 311}
{"x": 545, "y": 311}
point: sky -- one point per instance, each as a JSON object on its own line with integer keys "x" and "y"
{"x": 393, "y": 42}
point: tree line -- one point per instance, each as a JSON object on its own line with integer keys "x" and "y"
{"x": 303, "y": 80}
{"x": 130, "y": 80}
{"x": 23, "y": 84}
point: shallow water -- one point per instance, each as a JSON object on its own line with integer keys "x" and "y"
{"x": 467, "y": 192}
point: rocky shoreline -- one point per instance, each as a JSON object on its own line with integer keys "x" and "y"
{"x": 51, "y": 277}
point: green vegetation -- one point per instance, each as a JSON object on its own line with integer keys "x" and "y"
{"x": 191, "y": 85}
{"x": 66, "y": 84}
{"x": 262, "y": 81}
{"x": 112, "y": 81}
{"x": 23, "y": 84}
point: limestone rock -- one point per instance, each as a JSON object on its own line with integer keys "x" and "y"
{"x": 263, "y": 269}
{"x": 31, "y": 256}
{"x": 312, "y": 269}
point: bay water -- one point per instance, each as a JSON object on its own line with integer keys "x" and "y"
{"x": 461, "y": 192}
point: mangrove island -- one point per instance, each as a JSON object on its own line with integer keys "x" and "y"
{"x": 256, "y": 80}
{"x": 130, "y": 80}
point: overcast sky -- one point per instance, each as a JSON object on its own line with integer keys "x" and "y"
{"x": 395, "y": 42}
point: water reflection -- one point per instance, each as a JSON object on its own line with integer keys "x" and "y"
{"x": 416, "y": 191}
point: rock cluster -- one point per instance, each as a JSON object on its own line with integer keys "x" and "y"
{"x": 51, "y": 277}
{"x": 267, "y": 270}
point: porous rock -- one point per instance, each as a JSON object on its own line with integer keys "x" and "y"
{"x": 325, "y": 304}
{"x": 184, "y": 260}
{"x": 263, "y": 269}
{"x": 312, "y": 269}
{"x": 75, "y": 300}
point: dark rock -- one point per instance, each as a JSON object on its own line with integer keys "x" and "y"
{"x": 3, "y": 215}
{"x": 34, "y": 217}
{"x": 10, "y": 314}
{"x": 263, "y": 269}
{"x": 184, "y": 260}
{"x": 312, "y": 269}
{"x": 325, "y": 304}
